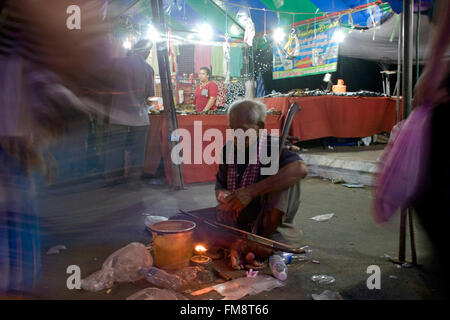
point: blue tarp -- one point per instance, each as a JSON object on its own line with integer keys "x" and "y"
{"x": 189, "y": 13}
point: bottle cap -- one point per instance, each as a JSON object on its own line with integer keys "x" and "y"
{"x": 282, "y": 276}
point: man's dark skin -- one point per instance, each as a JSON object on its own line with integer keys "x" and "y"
{"x": 232, "y": 203}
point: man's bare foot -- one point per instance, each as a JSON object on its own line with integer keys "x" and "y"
{"x": 252, "y": 263}
{"x": 235, "y": 255}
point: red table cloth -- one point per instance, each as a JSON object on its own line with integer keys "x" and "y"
{"x": 338, "y": 116}
{"x": 158, "y": 145}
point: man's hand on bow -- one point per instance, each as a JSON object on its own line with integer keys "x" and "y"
{"x": 236, "y": 202}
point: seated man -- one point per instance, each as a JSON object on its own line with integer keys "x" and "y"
{"x": 240, "y": 187}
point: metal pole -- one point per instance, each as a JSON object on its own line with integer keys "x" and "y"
{"x": 411, "y": 235}
{"x": 166, "y": 87}
{"x": 407, "y": 56}
{"x": 399, "y": 68}
{"x": 402, "y": 239}
{"x": 226, "y": 15}
{"x": 417, "y": 40}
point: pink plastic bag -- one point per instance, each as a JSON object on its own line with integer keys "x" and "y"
{"x": 403, "y": 164}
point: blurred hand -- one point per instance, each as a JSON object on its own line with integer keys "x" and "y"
{"x": 222, "y": 195}
{"x": 236, "y": 201}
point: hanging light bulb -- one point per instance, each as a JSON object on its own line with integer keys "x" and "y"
{"x": 127, "y": 44}
{"x": 278, "y": 35}
{"x": 205, "y": 32}
{"x": 153, "y": 34}
{"x": 338, "y": 36}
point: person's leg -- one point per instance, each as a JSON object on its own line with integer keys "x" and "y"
{"x": 287, "y": 202}
{"x": 138, "y": 143}
{"x": 114, "y": 153}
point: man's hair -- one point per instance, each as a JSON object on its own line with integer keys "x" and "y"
{"x": 208, "y": 72}
{"x": 143, "y": 48}
{"x": 253, "y": 111}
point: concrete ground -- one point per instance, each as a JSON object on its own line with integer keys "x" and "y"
{"x": 93, "y": 221}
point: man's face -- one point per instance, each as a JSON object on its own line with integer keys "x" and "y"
{"x": 203, "y": 76}
{"x": 238, "y": 121}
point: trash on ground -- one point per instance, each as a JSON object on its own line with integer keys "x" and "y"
{"x": 386, "y": 256}
{"x": 304, "y": 256}
{"x": 322, "y": 279}
{"x": 393, "y": 277}
{"x": 123, "y": 265}
{"x": 195, "y": 275}
{"x": 239, "y": 288}
{"x": 323, "y": 217}
{"x": 108, "y": 291}
{"x": 315, "y": 261}
{"x": 149, "y": 220}
{"x": 156, "y": 294}
{"x": 98, "y": 281}
{"x": 278, "y": 267}
{"x": 407, "y": 265}
{"x": 327, "y": 295}
{"x": 349, "y": 185}
{"x": 337, "y": 180}
{"x": 56, "y": 249}
{"x": 155, "y": 182}
{"x": 366, "y": 141}
{"x": 163, "y": 279}
{"x": 287, "y": 257}
{"x": 251, "y": 273}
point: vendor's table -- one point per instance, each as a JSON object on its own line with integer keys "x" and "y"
{"x": 157, "y": 144}
{"x": 337, "y": 116}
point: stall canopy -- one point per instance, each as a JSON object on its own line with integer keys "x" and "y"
{"x": 265, "y": 14}
{"x": 358, "y": 17}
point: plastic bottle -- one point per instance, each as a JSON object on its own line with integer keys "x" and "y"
{"x": 163, "y": 279}
{"x": 287, "y": 257}
{"x": 304, "y": 256}
{"x": 278, "y": 267}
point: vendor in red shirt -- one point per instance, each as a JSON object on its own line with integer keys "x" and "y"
{"x": 206, "y": 92}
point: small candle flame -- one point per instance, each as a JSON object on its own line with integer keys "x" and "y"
{"x": 200, "y": 249}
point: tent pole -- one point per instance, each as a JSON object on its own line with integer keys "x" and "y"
{"x": 407, "y": 56}
{"x": 226, "y": 15}
{"x": 417, "y": 40}
{"x": 166, "y": 87}
{"x": 399, "y": 67}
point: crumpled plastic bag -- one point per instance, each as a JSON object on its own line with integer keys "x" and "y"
{"x": 98, "y": 281}
{"x": 149, "y": 220}
{"x": 323, "y": 279}
{"x": 327, "y": 295}
{"x": 156, "y": 294}
{"x": 195, "y": 275}
{"x": 56, "y": 249}
{"x": 121, "y": 266}
{"x": 323, "y": 217}
{"x": 403, "y": 164}
{"x": 239, "y": 288}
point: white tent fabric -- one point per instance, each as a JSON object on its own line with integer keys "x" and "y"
{"x": 361, "y": 44}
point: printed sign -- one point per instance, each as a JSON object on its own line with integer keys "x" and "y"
{"x": 307, "y": 53}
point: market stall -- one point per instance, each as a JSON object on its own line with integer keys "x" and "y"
{"x": 157, "y": 144}
{"x": 338, "y": 116}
